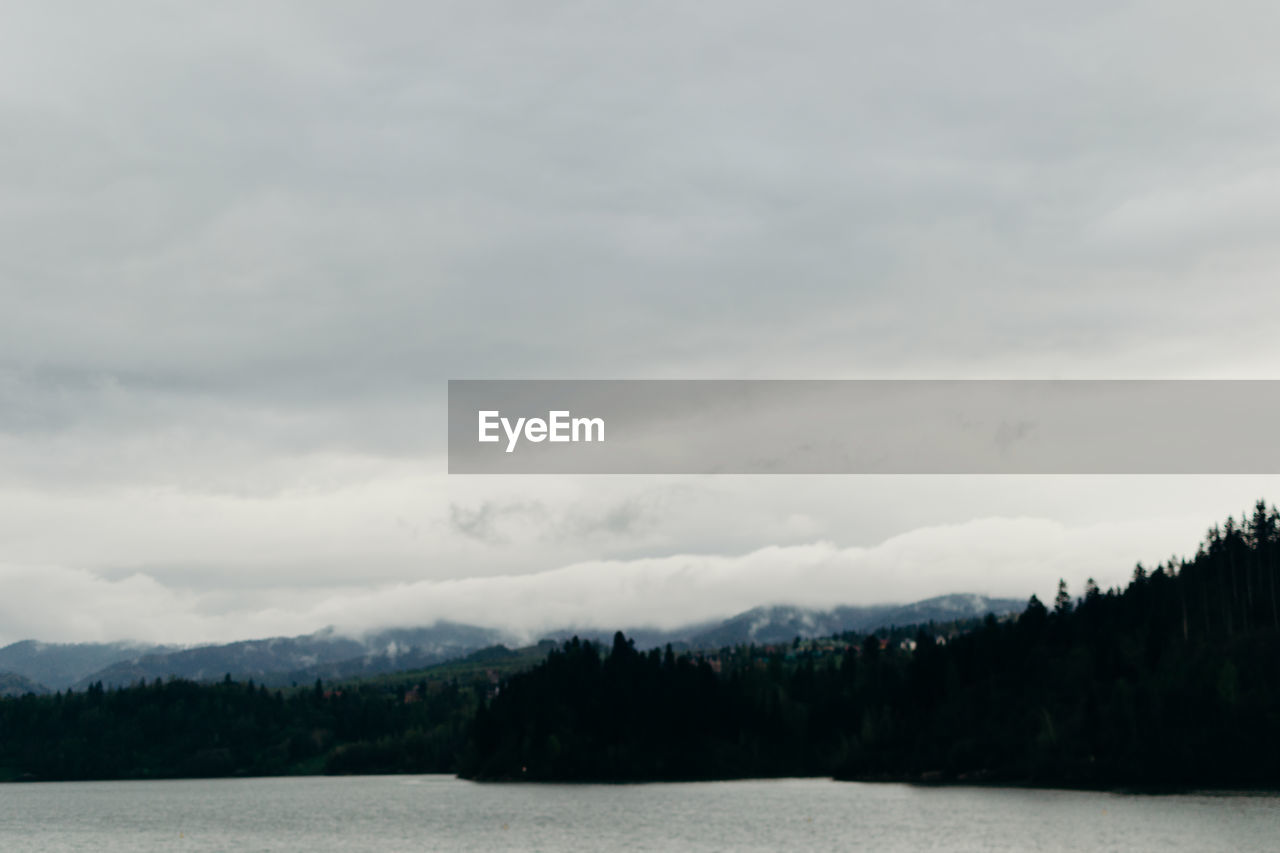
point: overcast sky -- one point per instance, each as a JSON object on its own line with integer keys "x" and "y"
{"x": 244, "y": 245}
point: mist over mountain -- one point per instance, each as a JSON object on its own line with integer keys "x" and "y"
{"x": 13, "y": 684}
{"x": 330, "y": 655}
{"x": 782, "y": 623}
{"x": 60, "y": 665}
{"x": 327, "y": 654}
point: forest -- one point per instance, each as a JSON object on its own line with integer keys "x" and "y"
{"x": 1172, "y": 681}
{"x": 178, "y": 728}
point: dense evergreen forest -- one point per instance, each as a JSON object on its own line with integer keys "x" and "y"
{"x": 183, "y": 729}
{"x": 1173, "y": 681}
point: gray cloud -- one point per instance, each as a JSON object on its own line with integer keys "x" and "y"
{"x": 992, "y": 556}
{"x": 499, "y": 523}
{"x": 484, "y": 522}
{"x": 242, "y": 247}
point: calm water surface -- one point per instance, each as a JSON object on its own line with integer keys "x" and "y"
{"x": 390, "y": 813}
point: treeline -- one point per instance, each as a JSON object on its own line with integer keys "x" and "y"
{"x": 1171, "y": 681}
{"x": 182, "y": 729}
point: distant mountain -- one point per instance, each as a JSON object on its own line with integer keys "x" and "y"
{"x": 60, "y": 665}
{"x": 400, "y": 649}
{"x": 12, "y": 684}
{"x": 328, "y": 655}
{"x": 244, "y": 659}
{"x": 781, "y": 623}
{"x": 281, "y": 661}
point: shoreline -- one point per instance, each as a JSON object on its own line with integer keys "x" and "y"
{"x": 914, "y": 782}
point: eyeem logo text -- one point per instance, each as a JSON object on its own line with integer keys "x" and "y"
{"x": 558, "y": 426}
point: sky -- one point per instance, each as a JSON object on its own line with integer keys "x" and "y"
{"x": 243, "y": 247}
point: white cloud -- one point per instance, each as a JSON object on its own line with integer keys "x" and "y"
{"x": 241, "y": 249}
{"x": 1241, "y": 208}
{"x": 996, "y": 556}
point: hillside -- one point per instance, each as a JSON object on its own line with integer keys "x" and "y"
{"x": 1171, "y": 681}
{"x": 330, "y": 655}
{"x": 12, "y": 684}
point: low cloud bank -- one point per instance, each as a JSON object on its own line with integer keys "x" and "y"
{"x": 995, "y": 556}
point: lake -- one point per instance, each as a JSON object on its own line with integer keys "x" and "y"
{"x": 392, "y": 813}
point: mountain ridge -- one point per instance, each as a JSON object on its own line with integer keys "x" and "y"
{"x": 329, "y": 655}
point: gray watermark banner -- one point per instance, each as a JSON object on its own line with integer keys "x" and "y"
{"x": 864, "y": 426}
